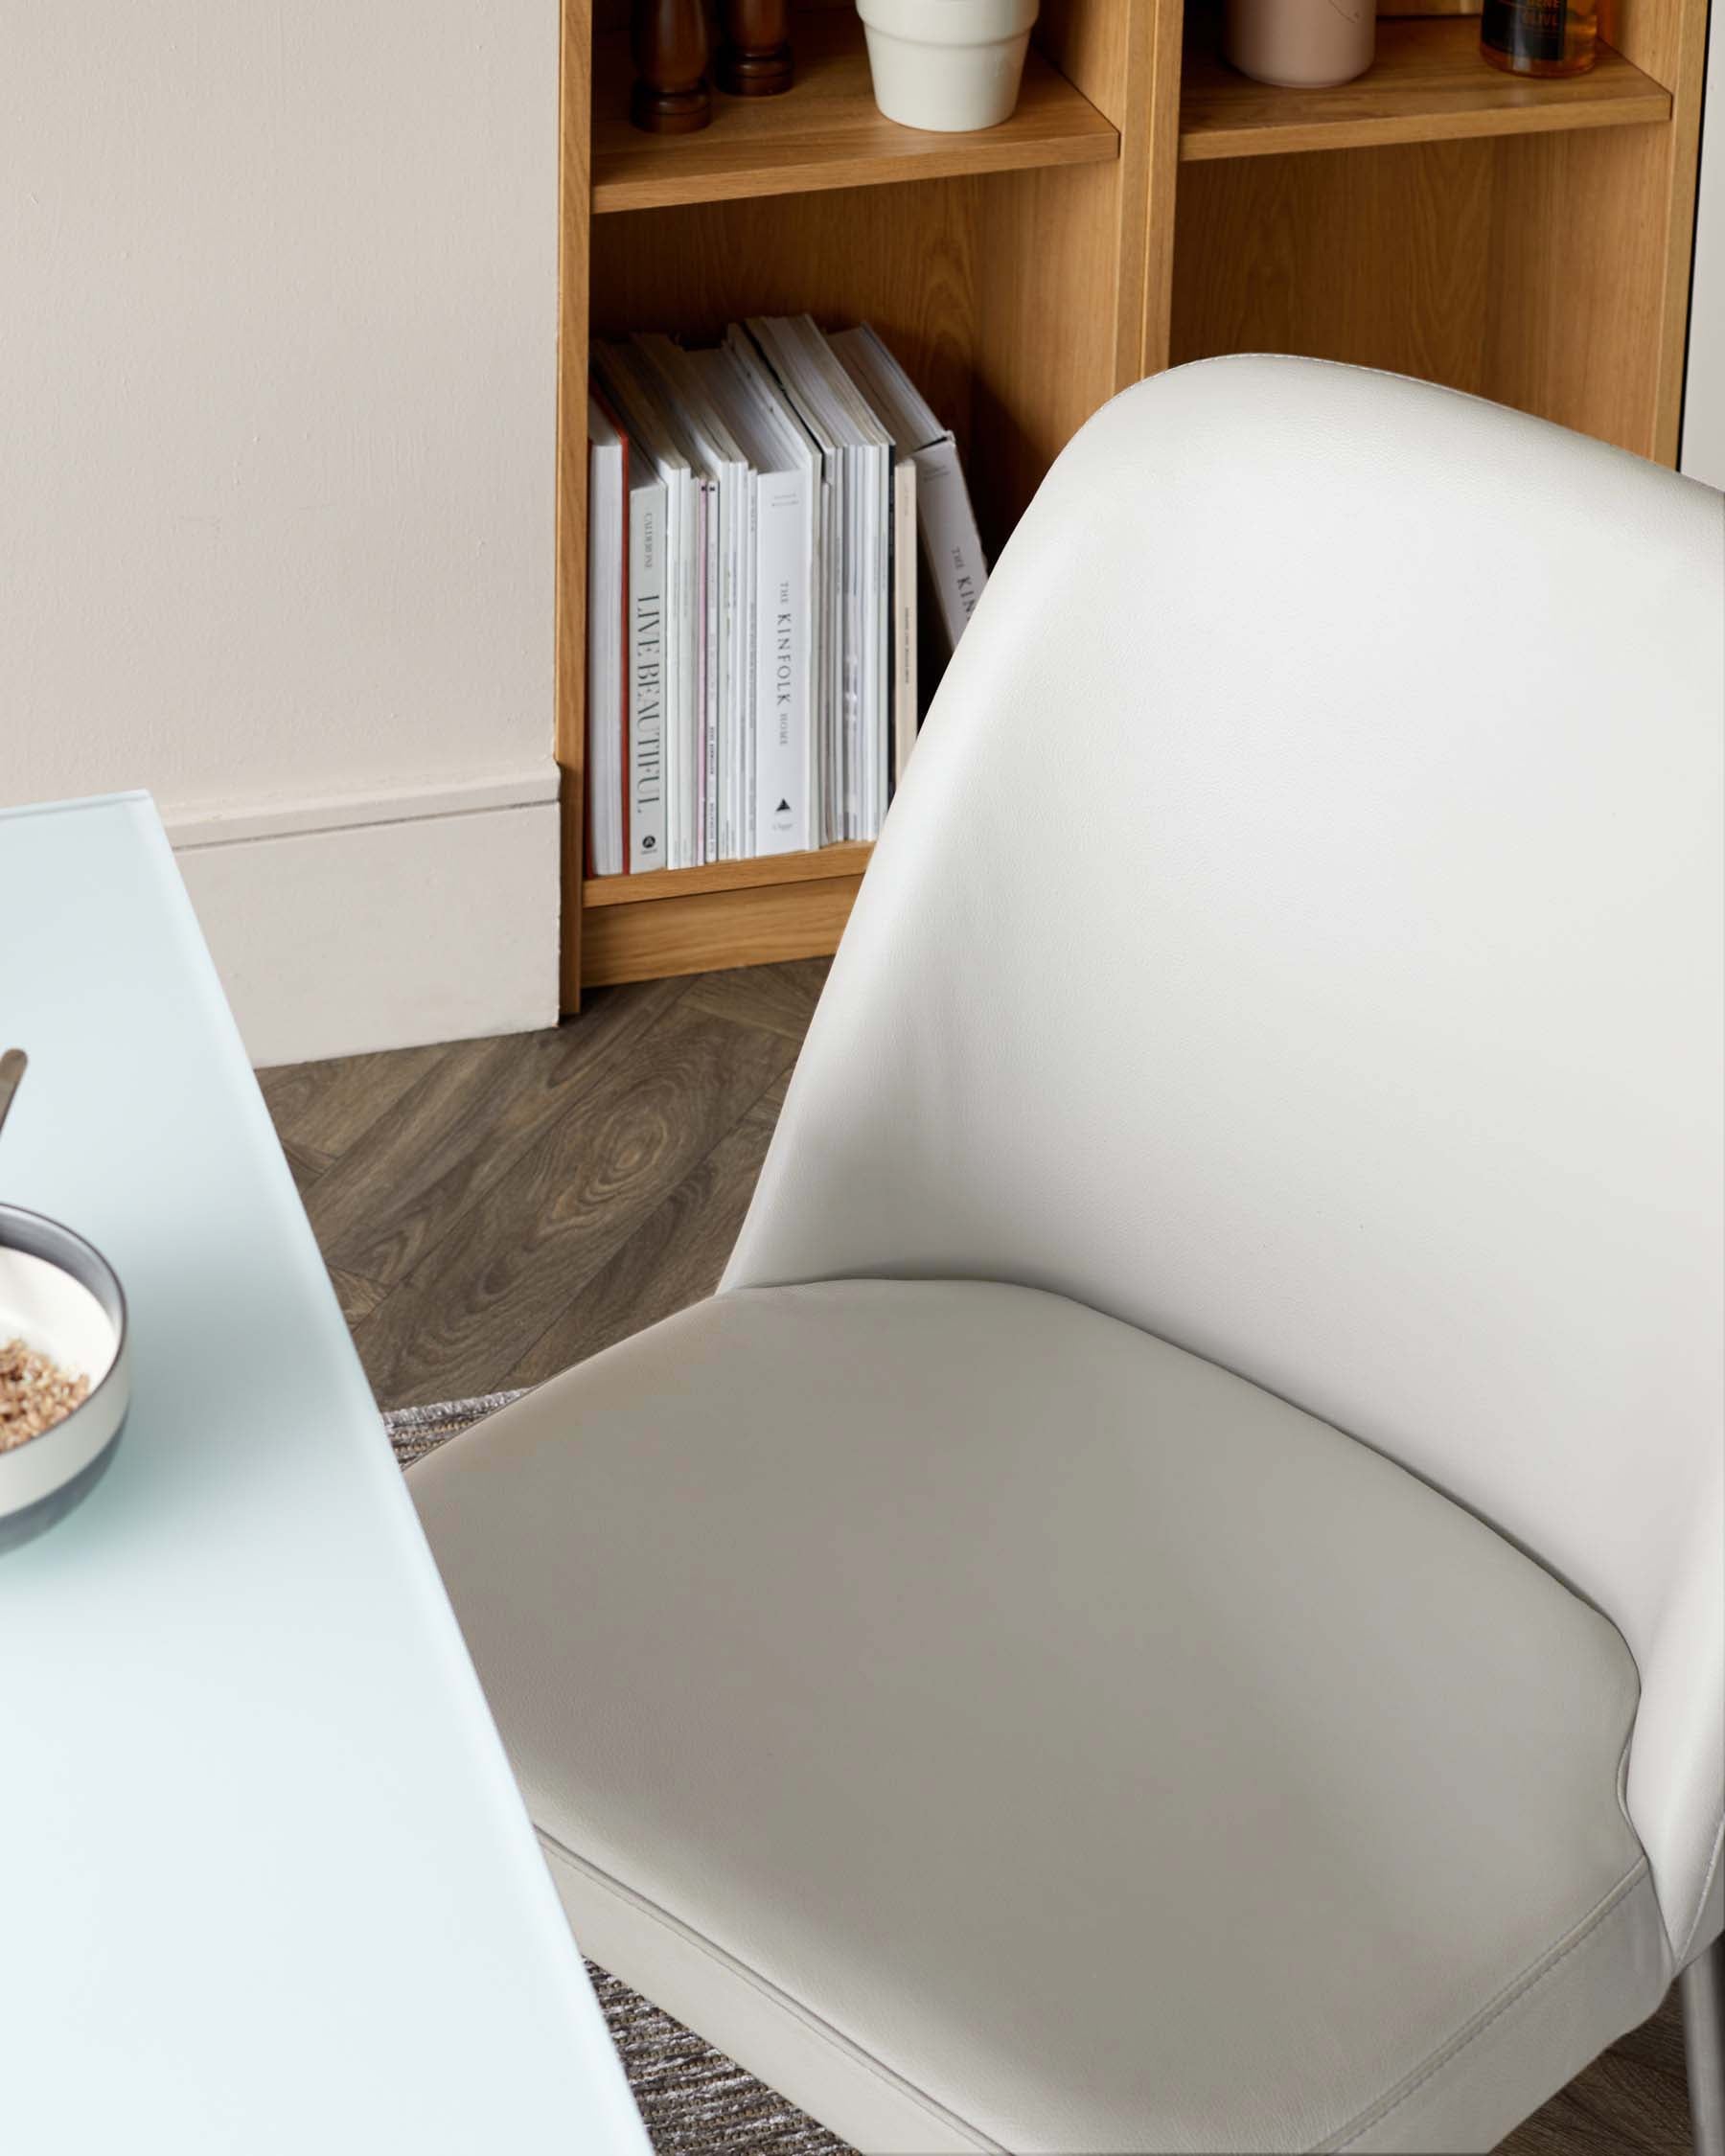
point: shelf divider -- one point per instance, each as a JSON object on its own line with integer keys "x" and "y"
{"x": 660, "y": 884}
{"x": 824, "y": 133}
{"x": 1428, "y": 84}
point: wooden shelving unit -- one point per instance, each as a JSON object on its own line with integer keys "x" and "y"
{"x": 1144, "y": 206}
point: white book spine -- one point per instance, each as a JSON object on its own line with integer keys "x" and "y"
{"x": 880, "y": 630}
{"x": 827, "y": 701}
{"x": 690, "y": 647}
{"x": 783, "y": 671}
{"x": 698, "y": 639}
{"x": 748, "y": 728}
{"x": 606, "y": 660}
{"x": 730, "y": 504}
{"x": 713, "y": 567}
{"x": 647, "y": 656}
{"x": 952, "y": 545}
{"x": 904, "y": 616}
{"x": 849, "y": 684}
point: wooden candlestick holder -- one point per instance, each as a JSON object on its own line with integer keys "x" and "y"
{"x": 754, "y": 60}
{"x": 668, "y": 41}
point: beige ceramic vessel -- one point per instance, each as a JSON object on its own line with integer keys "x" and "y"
{"x": 1300, "y": 44}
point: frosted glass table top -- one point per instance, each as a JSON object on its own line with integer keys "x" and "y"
{"x": 265, "y": 1883}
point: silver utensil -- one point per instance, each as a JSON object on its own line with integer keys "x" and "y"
{"x": 13, "y": 1066}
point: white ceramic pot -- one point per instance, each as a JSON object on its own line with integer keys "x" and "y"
{"x": 948, "y": 66}
{"x": 1300, "y": 44}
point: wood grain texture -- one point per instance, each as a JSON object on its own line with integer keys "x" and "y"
{"x": 1666, "y": 39}
{"x": 673, "y": 1259}
{"x": 778, "y": 999}
{"x": 1166, "y": 32}
{"x": 433, "y": 1154}
{"x": 357, "y": 1296}
{"x": 1143, "y": 72}
{"x": 1092, "y": 47}
{"x": 848, "y": 859}
{"x": 1573, "y": 223}
{"x": 304, "y": 1169}
{"x": 426, "y": 1135}
{"x": 1656, "y": 34}
{"x": 565, "y": 1205}
{"x": 1382, "y": 258}
{"x": 840, "y": 257}
{"x": 573, "y": 219}
{"x": 321, "y": 1110}
{"x": 1427, "y": 84}
{"x": 1048, "y": 333}
{"x": 824, "y": 132}
{"x": 1580, "y": 263}
{"x": 754, "y": 927}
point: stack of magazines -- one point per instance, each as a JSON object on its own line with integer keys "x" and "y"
{"x": 754, "y": 518}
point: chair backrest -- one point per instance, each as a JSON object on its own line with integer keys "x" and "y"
{"x": 1300, "y": 935}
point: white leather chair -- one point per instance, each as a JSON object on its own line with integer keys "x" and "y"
{"x": 1172, "y": 1600}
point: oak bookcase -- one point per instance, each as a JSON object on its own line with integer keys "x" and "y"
{"x": 1144, "y": 206}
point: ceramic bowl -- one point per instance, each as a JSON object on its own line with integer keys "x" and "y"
{"x": 60, "y": 1295}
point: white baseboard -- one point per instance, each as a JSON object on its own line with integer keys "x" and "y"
{"x": 343, "y": 926}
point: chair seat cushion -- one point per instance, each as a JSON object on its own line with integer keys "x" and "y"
{"x": 999, "y": 1729}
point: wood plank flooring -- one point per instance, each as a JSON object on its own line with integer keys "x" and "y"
{"x": 495, "y": 1210}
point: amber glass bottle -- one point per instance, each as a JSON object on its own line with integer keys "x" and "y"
{"x": 1540, "y": 37}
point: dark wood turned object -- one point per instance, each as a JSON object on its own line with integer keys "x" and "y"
{"x": 668, "y": 40}
{"x": 754, "y": 61}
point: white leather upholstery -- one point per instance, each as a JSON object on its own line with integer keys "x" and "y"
{"x": 1299, "y": 940}
{"x": 1001, "y": 1730}
{"x": 1302, "y": 934}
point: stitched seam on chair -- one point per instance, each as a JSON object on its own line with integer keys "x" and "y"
{"x": 809, "y": 2019}
{"x": 1518, "y": 1989}
{"x": 1713, "y": 1865}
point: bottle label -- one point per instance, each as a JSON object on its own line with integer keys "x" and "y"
{"x": 1531, "y": 29}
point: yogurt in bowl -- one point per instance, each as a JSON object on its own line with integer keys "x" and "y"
{"x": 60, "y": 1298}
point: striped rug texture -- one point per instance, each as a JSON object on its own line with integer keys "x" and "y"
{"x": 694, "y": 2100}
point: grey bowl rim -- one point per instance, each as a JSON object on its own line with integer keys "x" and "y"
{"x": 57, "y": 1229}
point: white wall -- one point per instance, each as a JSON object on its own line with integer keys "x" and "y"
{"x": 277, "y": 394}
{"x": 1704, "y": 395}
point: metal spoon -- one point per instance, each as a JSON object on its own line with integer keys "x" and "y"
{"x": 13, "y": 1066}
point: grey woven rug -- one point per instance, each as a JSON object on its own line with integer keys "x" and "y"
{"x": 694, "y": 2100}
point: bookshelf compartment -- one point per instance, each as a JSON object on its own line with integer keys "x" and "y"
{"x": 824, "y": 132}
{"x": 1428, "y": 84}
{"x": 958, "y": 275}
{"x": 961, "y": 276}
{"x": 1465, "y": 263}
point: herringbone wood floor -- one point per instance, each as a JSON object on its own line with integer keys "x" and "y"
{"x": 495, "y": 1210}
